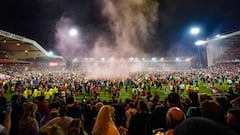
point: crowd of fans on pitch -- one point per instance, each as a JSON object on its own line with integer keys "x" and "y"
{"x": 43, "y": 103}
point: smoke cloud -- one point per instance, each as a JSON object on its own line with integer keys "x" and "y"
{"x": 130, "y": 22}
{"x": 69, "y": 46}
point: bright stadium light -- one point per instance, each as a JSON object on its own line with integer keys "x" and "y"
{"x": 131, "y": 59}
{"x": 73, "y": 32}
{"x": 195, "y": 30}
{"x": 162, "y": 59}
{"x": 154, "y": 59}
{"x": 50, "y": 53}
{"x": 187, "y": 59}
{"x": 218, "y": 35}
{"x": 102, "y": 59}
{"x": 200, "y": 42}
{"x": 177, "y": 59}
{"x": 222, "y": 36}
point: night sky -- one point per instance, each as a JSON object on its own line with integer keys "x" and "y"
{"x": 36, "y": 19}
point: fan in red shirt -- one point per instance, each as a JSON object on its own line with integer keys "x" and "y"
{"x": 94, "y": 90}
{"x": 143, "y": 94}
{"x": 156, "y": 95}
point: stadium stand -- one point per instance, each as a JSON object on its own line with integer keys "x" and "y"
{"x": 15, "y": 48}
{"x": 223, "y": 49}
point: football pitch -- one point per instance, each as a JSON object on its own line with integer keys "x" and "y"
{"x": 123, "y": 95}
{"x": 203, "y": 88}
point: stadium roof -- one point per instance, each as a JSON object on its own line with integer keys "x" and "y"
{"x": 20, "y": 49}
{"x": 225, "y": 38}
{"x": 224, "y": 48}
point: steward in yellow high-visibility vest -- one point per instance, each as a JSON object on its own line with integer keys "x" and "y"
{"x": 25, "y": 94}
{"x": 55, "y": 92}
{"x": 142, "y": 85}
{"x": 46, "y": 95}
{"x": 50, "y": 93}
{"x": 35, "y": 94}
{"x": 29, "y": 93}
{"x": 41, "y": 91}
{"x": 187, "y": 86}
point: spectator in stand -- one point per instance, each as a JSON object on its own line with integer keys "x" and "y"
{"x": 193, "y": 108}
{"x": 236, "y": 102}
{"x": 143, "y": 94}
{"x": 173, "y": 100}
{"x": 201, "y": 126}
{"x": 3, "y": 108}
{"x": 5, "y": 128}
{"x": 76, "y": 127}
{"x": 119, "y": 112}
{"x": 73, "y": 108}
{"x": 224, "y": 103}
{"x": 204, "y": 97}
{"x": 104, "y": 124}
{"x": 212, "y": 110}
{"x": 89, "y": 116}
{"x": 193, "y": 96}
{"x": 157, "y": 119}
{"x": 138, "y": 121}
{"x": 132, "y": 110}
{"x": 90, "y": 119}
{"x": 63, "y": 121}
{"x": 97, "y": 107}
{"x": 43, "y": 110}
{"x": 232, "y": 119}
{"x": 156, "y": 96}
{"x": 17, "y": 111}
{"x": 174, "y": 117}
{"x": 28, "y": 124}
{"x": 1, "y": 93}
{"x": 52, "y": 130}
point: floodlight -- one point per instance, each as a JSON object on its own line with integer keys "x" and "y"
{"x": 102, "y": 59}
{"x": 200, "y": 42}
{"x": 154, "y": 59}
{"x": 131, "y": 59}
{"x": 73, "y": 32}
{"x": 50, "y": 53}
{"x": 222, "y": 36}
{"x": 188, "y": 59}
{"x": 218, "y": 35}
{"x": 195, "y": 31}
{"x": 162, "y": 59}
{"x": 177, "y": 59}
